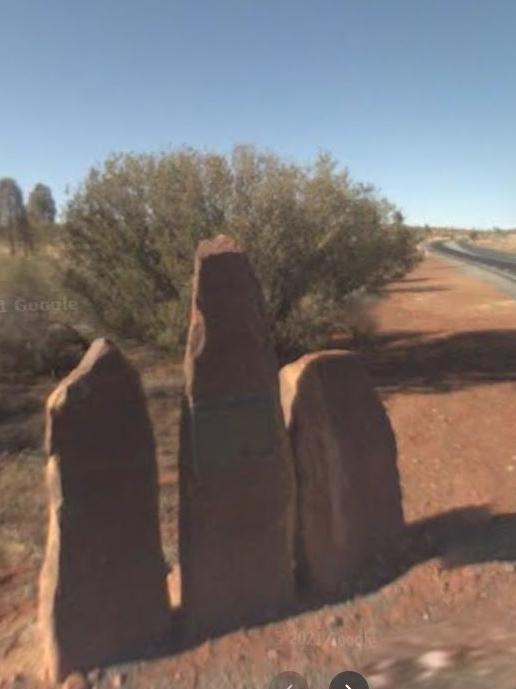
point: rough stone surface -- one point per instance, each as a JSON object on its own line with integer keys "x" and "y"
{"x": 174, "y": 586}
{"x": 103, "y": 592}
{"x": 76, "y": 681}
{"x": 236, "y": 475}
{"x": 349, "y": 498}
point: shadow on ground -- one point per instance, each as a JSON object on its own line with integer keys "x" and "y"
{"x": 398, "y": 361}
{"x": 404, "y": 361}
{"x": 458, "y": 537}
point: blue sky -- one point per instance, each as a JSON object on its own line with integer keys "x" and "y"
{"x": 415, "y": 96}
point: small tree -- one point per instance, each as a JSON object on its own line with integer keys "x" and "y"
{"x": 41, "y": 207}
{"x": 13, "y": 218}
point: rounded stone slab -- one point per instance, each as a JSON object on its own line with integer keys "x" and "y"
{"x": 349, "y": 497}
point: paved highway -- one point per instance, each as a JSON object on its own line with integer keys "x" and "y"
{"x": 498, "y": 267}
{"x": 500, "y": 260}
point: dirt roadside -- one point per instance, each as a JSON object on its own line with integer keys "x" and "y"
{"x": 444, "y": 361}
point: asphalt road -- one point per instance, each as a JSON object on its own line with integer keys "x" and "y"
{"x": 497, "y": 267}
{"x": 500, "y": 260}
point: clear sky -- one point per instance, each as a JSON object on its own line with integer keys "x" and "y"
{"x": 415, "y": 96}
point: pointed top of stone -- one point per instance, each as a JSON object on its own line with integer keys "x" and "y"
{"x": 101, "y": 353}
{"x": 229, "y": 351}
{"x": 99, "y": 404}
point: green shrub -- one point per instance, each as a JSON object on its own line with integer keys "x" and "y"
{"x": 312, "y": 234}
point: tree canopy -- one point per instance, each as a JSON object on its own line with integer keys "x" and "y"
{"x": 41, "y": 208}
{"x": 14, "y": 225}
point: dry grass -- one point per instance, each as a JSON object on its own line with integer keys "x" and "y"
{"x": 502, "y": 242}
{"x": 22, "y": 511}
{"x": 22, "y": 529}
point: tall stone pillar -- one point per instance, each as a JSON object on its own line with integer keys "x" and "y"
{"x": 236, "y": 477}
{"x": 103, "y": 593}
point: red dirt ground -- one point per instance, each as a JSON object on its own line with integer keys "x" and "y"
{"x": 444, "y": 361}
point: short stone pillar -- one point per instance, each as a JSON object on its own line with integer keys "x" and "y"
{"x": 237, "y": 489}
{"x": 103, "y": 594}
{"x": 349, "y": 497}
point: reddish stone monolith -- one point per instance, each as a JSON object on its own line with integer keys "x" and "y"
{"x": 103, "y": 594}
{"x": 349, "y": 497}
{"x": 236, "y": 475}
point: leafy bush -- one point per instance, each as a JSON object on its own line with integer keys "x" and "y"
{"x": 312, "y": 234}
{"x": 35, "y": 338}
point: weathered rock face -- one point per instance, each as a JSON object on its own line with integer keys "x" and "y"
{"x": 236, "y": 476}
{"x": 349, "y": 498}
{"x": 103, "y": 592}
